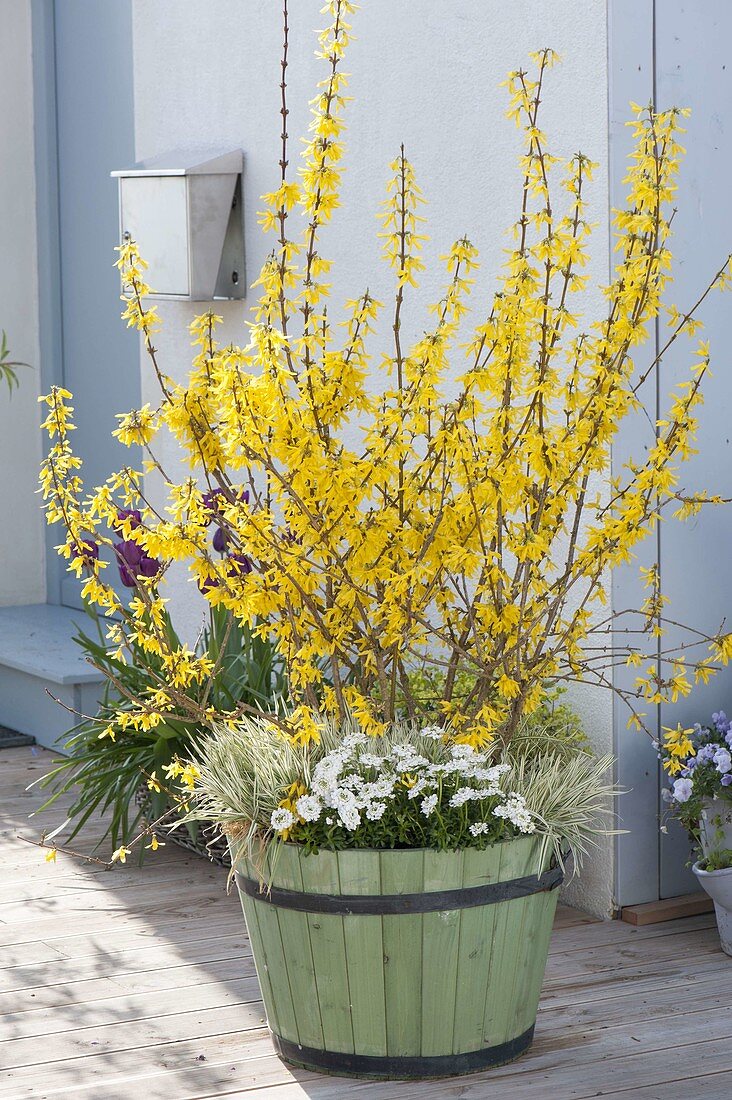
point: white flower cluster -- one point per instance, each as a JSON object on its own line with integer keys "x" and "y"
{"x": 355, "y": 782}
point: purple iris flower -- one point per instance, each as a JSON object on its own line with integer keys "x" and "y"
{"x": 131, "y": 514}
{"x": 133, "y": 562}
{"x": 239, "y": 565}
{"x": 205, "y": 584}
{"x": 88, "y": 548}
{"x": 219, "y": 540}
{"x": 211, "y": 504}
{"x": 209, "y": 501}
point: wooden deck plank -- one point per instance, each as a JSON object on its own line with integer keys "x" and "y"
{"x": 655, "y": 912}
{"x": 107, "y": 1011}
{"x": 608, "y": 933}
{"x": 140, "y": 981}
{"x": 175, "y": 980}
{"x": 152, "y": 912}
{"x": 17, "y": 979}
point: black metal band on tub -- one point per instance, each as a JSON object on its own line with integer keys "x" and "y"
{"x": 346, "y": 905}
{"x": 403, "y": 1066}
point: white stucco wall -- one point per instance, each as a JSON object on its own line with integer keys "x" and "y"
{"x": 425, "y": 73}
{"x": 22, "y": 576}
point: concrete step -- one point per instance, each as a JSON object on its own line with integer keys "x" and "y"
{"x": 45, "y": 681}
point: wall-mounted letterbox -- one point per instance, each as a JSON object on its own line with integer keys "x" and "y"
{"x": 185, "y": 214}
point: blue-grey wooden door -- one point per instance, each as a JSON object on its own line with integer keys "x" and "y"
{"x": 674, "y": 52}
{"x": 694, "y": 69}
{"x": 95, "y": 134}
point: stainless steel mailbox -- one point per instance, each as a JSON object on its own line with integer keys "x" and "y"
{"x": 184, "y": 211}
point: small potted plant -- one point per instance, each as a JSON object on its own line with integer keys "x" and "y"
{"x": 699, "y": 763}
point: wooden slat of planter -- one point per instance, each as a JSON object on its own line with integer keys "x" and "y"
{"x": 517, "y": 1016}
{"x": 328, "y": 946}
{"x": 251, "y": 917}
{"x": 279, "y": 1007}
{"x": 440, "y": 943}
{"x": 532, "y": 959}
{"x": 361, "y": 873}
{"x": 476, "y": 937}
{"x": 299, "y": 969}
{"x": 402, "y": 873}
{"x": 494, "y": 994}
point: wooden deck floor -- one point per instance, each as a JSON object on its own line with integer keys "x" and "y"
{"x": 139, "y": 983}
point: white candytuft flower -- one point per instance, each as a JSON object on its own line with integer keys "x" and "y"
{"x": 416, "y": 789}
{"x": 488, "y": 775}
{"x": 428, "y": 804}
{"x": 282, "y": 819}
{"x": 463, "y": 752}
{"x": 371, "y": 760}
{"x": 514, "y": 809}
{"x": 349, "y": 815}
{"x": 308, "y": 807}
{"x": 434, "y": 733}
{"x": 479, "y": 828}
{"x": 465, "y": 794}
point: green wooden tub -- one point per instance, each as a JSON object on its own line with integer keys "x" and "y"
{"x": 401, "y": 964}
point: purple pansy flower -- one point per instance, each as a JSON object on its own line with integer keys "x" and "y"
{"x": 706, "y": 753}
{"x": 721, "y": 722}
{"x": 723, "y": 761}
{"x": 683, "y": 789}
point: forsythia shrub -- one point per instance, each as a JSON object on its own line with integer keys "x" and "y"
{"x": 384, "y": 535}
